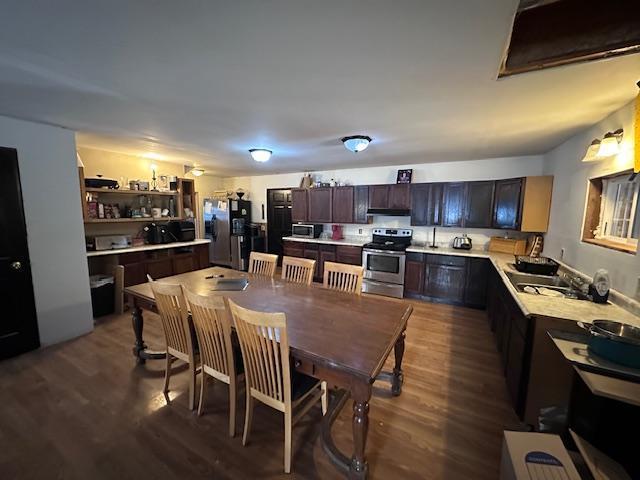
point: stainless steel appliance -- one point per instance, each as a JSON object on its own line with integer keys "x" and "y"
{"x": 384, "y": 261}
{"x": 462, "y": 243}
{"x": 224, "y": 223}
{"x": 110, "y": 242}
{"x": 306, "y": 231}
{"x": 182, "y": 230}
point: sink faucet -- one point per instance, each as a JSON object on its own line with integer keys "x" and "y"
{"x": 575, "y": 281}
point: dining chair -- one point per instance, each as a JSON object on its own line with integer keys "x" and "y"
{"x": 269, "y": 377}
{"x": 217, "y": 357}
{"x": 172, "y": 308}
{"x": 262, "y": 263}
{"x": 343, "y": 277}
{"x": 298, "y": 270}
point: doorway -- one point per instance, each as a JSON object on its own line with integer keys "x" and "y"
{"x": 278, "y": 219}
{"x": 19, "y": 326}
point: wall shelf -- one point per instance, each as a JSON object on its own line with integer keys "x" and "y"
{"x": 130, "y": 192}
{"x": 129, "y": 220}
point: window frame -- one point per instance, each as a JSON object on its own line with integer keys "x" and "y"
{"x": 611, "y": 188}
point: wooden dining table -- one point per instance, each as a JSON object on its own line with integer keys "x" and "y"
{"x": 341, "y": 338}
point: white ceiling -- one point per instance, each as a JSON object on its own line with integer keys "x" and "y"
{"x": 204, "y": 81}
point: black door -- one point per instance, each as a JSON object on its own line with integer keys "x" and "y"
{"x": 18, "y": 325}
{"x": 278, "y": 219}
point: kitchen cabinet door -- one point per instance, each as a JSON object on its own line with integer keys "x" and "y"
{"x": 479, "y": 204}
{"x": 445, "y": 282}
{"x": 426, "y": 204}
{"x": 506, "y": 211}
{"x": 202, "y": 254}
{"x": 134, "y": 274}
{"x": 320, "y": 202}
{"x": 299, "y": 210}
{"x": 343, "y": 207}
{"x": 453, "y": 197}
{"x": 361, "y": 204}
{"x": 183, "y": 263}
{"x": 349, "y": 254}
{"x": 378, "y": 196}
{"x": 293, "y": 249}
{"x": 311, "y": 251}
{"x": 160, "y": 268}
{"x": 475, "y": 293}
{"x": 327, "y": 253}
{"x": 515, "y": 348}
{"x": 414, "y": 274}
{"x": 400, "y": 196}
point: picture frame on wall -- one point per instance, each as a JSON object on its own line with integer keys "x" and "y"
{"x": 404, "y": 176}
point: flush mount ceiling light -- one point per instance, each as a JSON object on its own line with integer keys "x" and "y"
{"x": 610, "y": 144}
{"x": 592, "y": 151}
{"x": 356, "y": 143}
{"x": 196, "y": 172}
{"x": 260, "y": 154}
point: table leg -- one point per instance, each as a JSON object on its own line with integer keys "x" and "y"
{"x": 137, "y": 321}
{"x": 398, "y": 377}
{"x": 358, "y": 468}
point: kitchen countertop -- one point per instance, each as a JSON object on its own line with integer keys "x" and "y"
{"x": 144, "y": 248}
{"x": 531, "y": 305}
{"x": 350, "y": 241}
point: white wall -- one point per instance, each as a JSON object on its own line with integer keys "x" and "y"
{"x": 488, "y": 169}
{"x": 51, "y": 198}
{"x": 569, "y": 196}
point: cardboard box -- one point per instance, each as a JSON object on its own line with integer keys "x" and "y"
{"x": 535, "y": 456}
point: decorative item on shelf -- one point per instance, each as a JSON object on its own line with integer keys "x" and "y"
{"x": 240, "y": 193}
{"x": 163, "y": 183}
{"x": 260, "y": 154}
{"x": 173, "y": 183}
{"x": 133, "y": 185}
{"x": 306, "y": 181}
{"x": 356, "y": 143}
{"x": 154, "y": 182}
{"x": 156, "y": 213}
{"x": 404, "y": 176}
{"x": 143, "y": 185}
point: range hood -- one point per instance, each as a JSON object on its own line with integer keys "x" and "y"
{"x": 395, "y": 212}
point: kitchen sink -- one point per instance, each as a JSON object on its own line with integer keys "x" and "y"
{"x": 529, "y": 283}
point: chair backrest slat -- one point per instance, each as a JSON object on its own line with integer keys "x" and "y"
{"x": 265, "y": 350}
{"x": 343, "y": 277}
{"x": 172, "y": 309}
{"x": 213, "y": 332}
{"x": 298, "y": 270}
{"x": 262, "y": 263}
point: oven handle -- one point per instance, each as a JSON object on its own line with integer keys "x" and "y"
{"x": 391, "y": 253}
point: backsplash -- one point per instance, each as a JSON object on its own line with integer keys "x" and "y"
{"x": 422, "y": 235}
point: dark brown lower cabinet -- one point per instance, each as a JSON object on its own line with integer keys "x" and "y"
{"x": 183, "y": 263}
{"x": 445, "y": 278}
{"x": 323, "y": 253}
{"x": 160, "y": 268}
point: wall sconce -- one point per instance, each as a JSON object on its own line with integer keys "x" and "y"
{"x": 610, "y": 144}
{"x": 592, "y": 151}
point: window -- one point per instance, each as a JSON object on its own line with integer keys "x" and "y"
{"x": 619, "y": 209}
{"x": 612, "y": 217}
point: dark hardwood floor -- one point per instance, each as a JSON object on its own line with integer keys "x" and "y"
{"x": 84, "y": 410}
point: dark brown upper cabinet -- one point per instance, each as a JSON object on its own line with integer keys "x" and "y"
{"x": 299, "y": 204}
{"x": 506, "y": 212}
{"x": 478, "y": 210}
{"x": 400, "y": 196}
{"x": 378, "y": 196}
{"x": 361, "y": 204}
{"x": 343, "y": 207}
{"x": 320, "y": 205}
{"x": 426, "y": 204}
{"x": 453, "y": 200}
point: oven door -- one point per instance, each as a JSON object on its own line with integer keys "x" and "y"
{"x": 303, "y": 231}
{"x": 384, "y": 265}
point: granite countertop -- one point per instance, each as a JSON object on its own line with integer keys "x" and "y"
{"x": 531, "y": 305}
{"x": 144, "y": 248}
{"x": 350, "y": 241}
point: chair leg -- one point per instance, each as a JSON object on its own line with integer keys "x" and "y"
{"x": 232, "y": 408}
{"x": 167, "y": 376}
{"x": 324, "y": 399}
{"x": 203, "y": 384}
{"x": 192, "y": 386}
{"x": 287, "y": 440}
{"x": 248, "y": 417}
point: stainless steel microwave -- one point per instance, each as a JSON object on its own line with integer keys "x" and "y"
{"x": 306, "y": 230}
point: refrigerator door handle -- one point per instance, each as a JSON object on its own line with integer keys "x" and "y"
{"x": 212, "y": 224}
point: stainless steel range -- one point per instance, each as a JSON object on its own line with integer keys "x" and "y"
{"x": 384, "y": 260}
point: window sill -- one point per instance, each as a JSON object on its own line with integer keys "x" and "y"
{"x": 621, "y": 247}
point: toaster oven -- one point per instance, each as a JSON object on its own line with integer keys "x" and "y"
{"x": 306, "y": 230}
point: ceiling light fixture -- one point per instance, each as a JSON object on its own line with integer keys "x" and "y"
{"x": 592, "y": 151}
{"x": 260, "y": 154}
{"x": 610, "y": 144}
{"x": 356, "y": 143}
{"x": 197, "y": 172}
